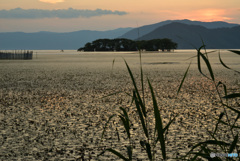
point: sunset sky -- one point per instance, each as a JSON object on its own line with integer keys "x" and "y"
{"x": 74, "y": 15}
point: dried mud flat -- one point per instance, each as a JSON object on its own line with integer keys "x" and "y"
{"x": 51, "y": 107}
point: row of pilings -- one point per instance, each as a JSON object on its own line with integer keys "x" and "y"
{"x": 17, "y": 54}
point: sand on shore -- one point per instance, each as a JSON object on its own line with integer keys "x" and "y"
{"x": 52, "y": 107}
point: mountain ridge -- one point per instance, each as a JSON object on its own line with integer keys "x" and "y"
{"x": 143, "y": 30}
{"x": 191, "y": 36}
{"x": 45, "y": 40}
{"x": 53, "y": 40}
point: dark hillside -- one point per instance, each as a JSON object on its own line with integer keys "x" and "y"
{"x": 143, "y": 30}
{"x": 189, "y": 36}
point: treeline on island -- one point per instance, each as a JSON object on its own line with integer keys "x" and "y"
{"x": 121, "y": 44}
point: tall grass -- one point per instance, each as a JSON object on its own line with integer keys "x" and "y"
{"x": 224, "y": 147}
{"x": 151, "y": 142}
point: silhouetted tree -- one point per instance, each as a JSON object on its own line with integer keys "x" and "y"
{"x": 168, "y": 44}
{"x": 121, "y": 44}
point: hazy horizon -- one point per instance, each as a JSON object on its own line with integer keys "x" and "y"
{"x": 110, "y": 29}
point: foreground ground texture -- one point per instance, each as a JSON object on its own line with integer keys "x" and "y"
{"x": 51, "y": 107}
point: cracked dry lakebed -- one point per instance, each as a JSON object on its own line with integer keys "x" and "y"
{"x": 53, "y": 107}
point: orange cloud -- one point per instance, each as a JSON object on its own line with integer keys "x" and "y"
{"x": 52, "y": 1}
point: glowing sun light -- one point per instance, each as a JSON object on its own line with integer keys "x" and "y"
{"x": 209, "y": 15}
{"x": 52, "y": 1}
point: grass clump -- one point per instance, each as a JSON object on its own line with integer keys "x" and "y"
{"x": 151, "y": 137}
{"x": 155, "y": 138}
{"x": 210, "y": 149}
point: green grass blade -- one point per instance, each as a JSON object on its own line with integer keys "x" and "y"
{"x": 195, "y": 157}
{"x": 143, "y": 95}
{"x": 233, "y": 109}
{"x": 212, "y": 135}
{"x": 165, "y": 128}
{"x": 140, "y": 115}
{"x": 117, "y": 134}
{"x": 105, "y": 126}
{"x": 142, "y": 143}
{"x": 158, "y": 122}
{"x": 129, "y": 150}
{"x": 125, "y": 121}
{"x": 206, "y": 156}
{"x": 210, "y": 142}
{"x": 132, "y": 99}
{"x": 199, "y": 61}
{"x": 204, "y": 54}
{"x": 125, "y": 113}
{"x": 222, "y": 61}
{"x": 234, "y": 144}
{"x": 233, "y": 126}
{"x": 238, "y": 116}
{"x": 224, "y": 86}
{"x": 131, "y": 75}
{"x": 125, "y": 124}
{"x": 208, "y": 65}
{"x": 235, "y": 51}
{"x": 206, "y": 150}
{"x": 136, "y": 90}
{"x": 223, "y": 64}
{"x": 149, "y": 151}
{"x": 204, "y": 47}
{"x": 169, "y": 123}
{"x": 117, "y": 154}
{"x": 183, "y": 79}
{"x": 220, "y": 117}
{"x": 128, "y": 94}
{"x": 233, "y": 95}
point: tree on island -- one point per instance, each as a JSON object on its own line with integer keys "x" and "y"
{"x": 121, "y": 44}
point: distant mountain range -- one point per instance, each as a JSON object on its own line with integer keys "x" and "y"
{"x": 141, "y": 31}
{"x": 188, "y": 34}
{"x": 191, "y": 36}
{"x": 54, "y": 41}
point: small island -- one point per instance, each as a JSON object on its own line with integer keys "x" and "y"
{"x": 121, "y": 44}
